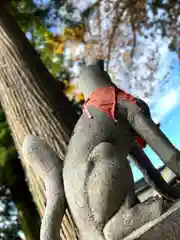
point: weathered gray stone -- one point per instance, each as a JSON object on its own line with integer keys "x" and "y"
{"x": 97, "y": 177}
{"x": 144, "y": 194}
{"x": 46, "y": 164}
{"x": 166, "y": 227}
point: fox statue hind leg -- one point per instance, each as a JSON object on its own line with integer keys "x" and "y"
{"x": 152, "y": 176}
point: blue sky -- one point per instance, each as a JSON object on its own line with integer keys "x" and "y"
{"x": 166, "y": 109}
{"x": 170, "y": 126}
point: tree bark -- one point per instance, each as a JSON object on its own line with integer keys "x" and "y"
{"x": 33, "y": 104}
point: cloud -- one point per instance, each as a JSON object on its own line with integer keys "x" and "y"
{"x": 166, "y": 104}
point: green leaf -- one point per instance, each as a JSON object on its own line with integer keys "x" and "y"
{"x": 2, "y": 115}
{"x": 3, "y": 156}
{"x": 3, "y": 125}
{"x": 12, "y": 153}
{"x": 5, "y": 136}
{"x": 55, "y": 69}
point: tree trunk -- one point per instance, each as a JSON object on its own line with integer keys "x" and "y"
{"x": 33, "y": 104}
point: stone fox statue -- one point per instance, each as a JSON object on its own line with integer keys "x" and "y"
{"x": 97, "y": 177}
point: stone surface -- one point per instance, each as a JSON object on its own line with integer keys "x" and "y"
{"x": 144, "y": 191}
{"x": 166, "y": 227}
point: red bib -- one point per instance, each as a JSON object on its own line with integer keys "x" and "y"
{"x": 105, "y": 100}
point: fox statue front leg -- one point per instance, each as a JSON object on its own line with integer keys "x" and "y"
{"x": 151, "y": 133}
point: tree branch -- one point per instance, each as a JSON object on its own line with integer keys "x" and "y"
{"x": 118, "y": 18}
{"x": 134, "y": 37}
{"x": 100, "y": 29}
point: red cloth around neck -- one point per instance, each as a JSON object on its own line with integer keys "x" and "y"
{"x": 105, "y": 100}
